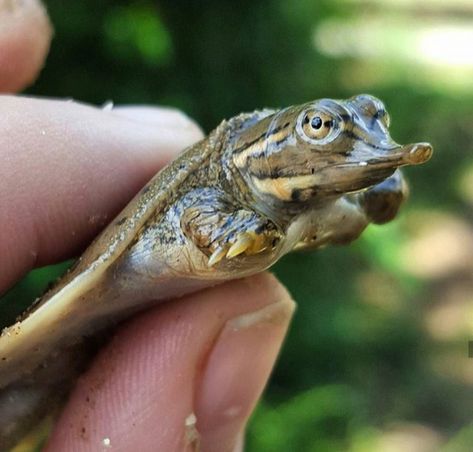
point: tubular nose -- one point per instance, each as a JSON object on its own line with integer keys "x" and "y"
{"x": 418, "y": 153}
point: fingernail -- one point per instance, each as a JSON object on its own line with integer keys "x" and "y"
{"x": 236, "y": 372}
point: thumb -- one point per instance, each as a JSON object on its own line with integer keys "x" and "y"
{"x": 25, "y": 35}
{"x": 183, "y": 376}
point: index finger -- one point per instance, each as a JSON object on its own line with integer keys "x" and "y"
{"x": 68, "y": 168}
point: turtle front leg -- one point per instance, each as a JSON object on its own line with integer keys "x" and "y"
{"x": 381, "y": 203}
{"x": 222, "y": 230}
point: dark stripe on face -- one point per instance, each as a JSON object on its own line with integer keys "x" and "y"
{"x": 262, "y": 138}
{"x": 263, "y": 153}
{"x": 379, "y": 114}
{"x": 276, "y": 173}
{"x": 296, "y": 195}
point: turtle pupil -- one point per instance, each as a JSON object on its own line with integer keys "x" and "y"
{"x": 316, "y": 122}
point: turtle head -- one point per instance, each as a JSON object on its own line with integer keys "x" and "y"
{"x": 328, "y": 148}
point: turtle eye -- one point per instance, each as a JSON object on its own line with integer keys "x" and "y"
{"x": 316, "y": 122}
{"x": 317, "y": 125}
{"x": 372, "y": 107}
{"x": 384, "y": 117}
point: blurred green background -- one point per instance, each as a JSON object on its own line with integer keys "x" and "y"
{"x": 377, "y": 357}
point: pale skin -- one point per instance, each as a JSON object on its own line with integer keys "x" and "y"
{"x": 67, "y": 169}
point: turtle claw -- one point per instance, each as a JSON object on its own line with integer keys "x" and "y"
{"x": 216, "y": 256}
{"x": 247, "y": 243}
{"x": 243, "y": 242}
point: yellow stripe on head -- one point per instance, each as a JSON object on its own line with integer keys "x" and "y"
{"x": 241, "y": 158}
{"x": 283, "y": 188}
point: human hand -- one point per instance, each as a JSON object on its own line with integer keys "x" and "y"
{"x": 66, "y": 164}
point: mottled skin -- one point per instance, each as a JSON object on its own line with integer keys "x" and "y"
{"x": 260, "y": 185}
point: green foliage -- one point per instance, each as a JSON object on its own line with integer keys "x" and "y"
{"x": 27, "y": 290}
{"x": 317, "y": 420}
{"x": 135, "y": 33}
{"x": 462, "y": 441}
